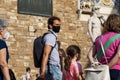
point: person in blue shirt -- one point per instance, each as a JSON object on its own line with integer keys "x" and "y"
{"x": 4, "y": 55}
{"x": 50, "y": 69}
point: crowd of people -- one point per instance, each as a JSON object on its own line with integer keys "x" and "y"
{"x": 58, "y": 64}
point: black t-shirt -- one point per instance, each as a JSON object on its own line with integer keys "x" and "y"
{"x": 4, "y": 45}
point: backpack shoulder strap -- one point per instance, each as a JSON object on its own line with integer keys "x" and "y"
{"x": 100, "y": 53}
{"x": 53, "y": 34}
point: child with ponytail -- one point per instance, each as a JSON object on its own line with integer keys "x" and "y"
{"x": 72, "y": 71}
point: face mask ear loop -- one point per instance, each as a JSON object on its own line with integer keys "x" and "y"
{"x": 6, "y": 36}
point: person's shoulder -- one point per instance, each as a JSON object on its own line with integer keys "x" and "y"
{"x": 2, "y": 44}
{"x": 74, "y": 63}
{"x": 27, "y": 73}
{"x": 2, "y": 41}
{"x": 78, "y": 63}
{"x": 109, "y": 35}
{"x": 49, "y": 36}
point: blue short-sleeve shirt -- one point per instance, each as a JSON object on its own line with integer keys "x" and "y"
{"x": 50, "y": 39}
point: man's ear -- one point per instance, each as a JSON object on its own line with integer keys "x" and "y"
{"x": 50, "y": 26}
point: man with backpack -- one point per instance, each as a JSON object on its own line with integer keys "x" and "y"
{"x": 50, "y": 65}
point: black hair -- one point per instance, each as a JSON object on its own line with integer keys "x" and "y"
{"x": 51, "y": 20}
{"x": 72, "y": 50}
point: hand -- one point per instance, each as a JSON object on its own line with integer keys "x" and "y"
{"x": 39, "y": 78}
{"x": 95, "y": 64}
{"x": 42, "y": 76}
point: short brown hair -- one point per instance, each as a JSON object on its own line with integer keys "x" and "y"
{"x": 27, "y": 69}
{"x": 112, "y": 24}
{"x": 51, "y": 20}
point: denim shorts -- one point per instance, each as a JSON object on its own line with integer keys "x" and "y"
{"x": 53, "y": 72}
{"x": 114, "y": 74}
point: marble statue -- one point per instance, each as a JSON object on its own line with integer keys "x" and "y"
{"x": 94, "y": 23}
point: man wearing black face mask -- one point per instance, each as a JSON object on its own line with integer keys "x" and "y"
{"x": 50, "y": 68}
{"x": 56, "y": 29}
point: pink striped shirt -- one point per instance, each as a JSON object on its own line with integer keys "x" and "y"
{"x": 111, "y": 50}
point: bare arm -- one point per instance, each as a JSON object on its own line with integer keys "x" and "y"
{"x": 3, "y": 64}
{"x": 116, "y": 58}
{"x": 63, "y": 77}
{"x": 46, "y": 53}
{"x": 29, "y": 79}
{"x": 91, "y": 54}
{"x": 82, "y": 76}
{"x": 78, "y": 76}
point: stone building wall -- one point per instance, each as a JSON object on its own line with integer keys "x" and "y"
{"x": 21, "y": 28}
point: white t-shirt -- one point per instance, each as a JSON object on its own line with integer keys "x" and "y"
{"x": 28, "y": 75}
{"x": 25, "y": 76}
